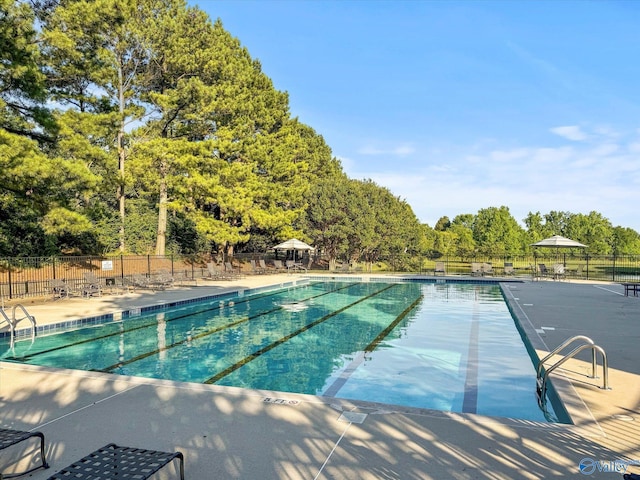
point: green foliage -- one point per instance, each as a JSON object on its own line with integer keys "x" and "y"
{"x": 213, "y": 158}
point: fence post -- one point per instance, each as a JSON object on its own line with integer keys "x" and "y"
{"x": 9, "y": 271}
{"x": 613, "y": 270}
{"x": 172, "y": 265}
{"x": 122, "y": 267}
{"x": 587, "y": 257}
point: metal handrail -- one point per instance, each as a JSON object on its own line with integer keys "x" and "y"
{"x": 542, "y": 383}
{"x": 27, "y": 315}
{"x": 13, "y": 322}
{"x": 566, "y": 343}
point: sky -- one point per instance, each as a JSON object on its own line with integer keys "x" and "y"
{"x": 457, "y": 106}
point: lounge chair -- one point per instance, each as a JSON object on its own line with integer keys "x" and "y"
{"x": 508, "y": 268}
{"x": 558, "y": 271}
{"x": 91, "y": 285}
{"x": 12, "y": 437}
{"x": 215, "y": 273}
{"x": 139, "y": 281}
{"x": 161, "y": 280}
{"x": 544, "y": 271}
{"x": 256, "y": 269}
{"x": 278, "y": 265}
{"x": 440, "y": 268}
{"x": 232, "y": 271}
{"x": 113, "y": 461}
{"x": 487, "y": 269}
{"x": 59, "y": 289}
{"x": 263, "y": 266}
{"x": 293, "y": 265}
{"x": 476, "y": 269}
{"x": 577, "y": 273}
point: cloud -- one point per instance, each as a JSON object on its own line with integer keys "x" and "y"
{"x": 570, "y": 132}
{"x": 576, "y": 177}
{"x": 401, "y": 150}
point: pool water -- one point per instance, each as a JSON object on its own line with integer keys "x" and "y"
{"x": 450, "y": 347}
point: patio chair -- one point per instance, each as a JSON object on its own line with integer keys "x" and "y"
{"x": 476, "y": 269}
{"x": 558, "y": 271}
{"x": 256, "y": 269}
{"x": 91, "y": 285}
{"x": 215, "y": 273}
{"x": 544, "y": 271}
{"x": 59, "y": 289}
{"x": 113, "y": 461}
{"x": 487, "y": 269}
{"x": 279, "y": 266}
{"x": 234, "y": 272}
{"x": 440, "y": 268}
{"x": 161, "y": 280}
{"x": 292, "y": 265}
{"x": 508, "y": 268}
{"x": 577, "y": 273}
{"x": 263, "y": 265}
{"x": 10, "y": 437}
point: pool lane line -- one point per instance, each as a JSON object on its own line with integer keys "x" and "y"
{"x": 335, "y": 387}
{"x": 152, "y": 323}
{"x": 209, "y": 332}
{"x": 470, "y": 399}
{"x": 286, "y": 338}
{"x": 152, "y": 318}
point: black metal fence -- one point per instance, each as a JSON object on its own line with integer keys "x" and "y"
{"x": 610, "y": 268}
{"x": 31, "y": 276}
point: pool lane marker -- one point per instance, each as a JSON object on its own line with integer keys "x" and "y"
{"x": 286, "y": 338}
{"x": 152, "y": 323}
{"x": 335, "y": 387}
{"x": 470, "y": 399}
{"x": 207, "y": 333}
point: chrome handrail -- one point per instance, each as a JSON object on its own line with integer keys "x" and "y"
{"x": 542, "y": 382}
{"x": 565, "y": 344}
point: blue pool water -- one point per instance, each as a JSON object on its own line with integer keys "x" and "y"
{"x": 450, "y": 347}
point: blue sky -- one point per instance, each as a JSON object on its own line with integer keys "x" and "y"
{"x": 461, "y": 105}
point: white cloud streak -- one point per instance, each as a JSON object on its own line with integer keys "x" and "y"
{"x": 576, "y": 177}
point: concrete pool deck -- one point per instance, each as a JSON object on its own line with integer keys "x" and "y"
{"x": 233, "y": 433}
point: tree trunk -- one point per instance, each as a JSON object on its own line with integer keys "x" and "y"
{"x": 161, "y": 239}
{"x": 121, "y": 157}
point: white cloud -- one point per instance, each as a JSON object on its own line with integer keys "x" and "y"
{"x": 576, "y": 177}
{"x": 570, "y": 132}
{"x": 400, "y": 150}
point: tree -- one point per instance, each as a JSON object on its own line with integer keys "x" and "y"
{"x": 23, "y": 89}
{"x": 495, "y": 231}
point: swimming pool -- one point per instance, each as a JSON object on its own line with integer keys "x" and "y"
{"x": 444, "y": 346}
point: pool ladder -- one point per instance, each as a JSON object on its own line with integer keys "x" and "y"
{"x": 541, "y": 379}
{"x": 13, "y": 321}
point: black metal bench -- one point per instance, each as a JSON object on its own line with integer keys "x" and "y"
{"x": 631, "y": 287}
{"x": 10, "y": 437}
{"x": 113, "y": 461}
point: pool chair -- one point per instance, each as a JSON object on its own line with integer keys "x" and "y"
{"x": 215, "y": 273}
{"x": 476, "y": 269}
{"x": 487, "y": 269}
{"x": 91, "y": 285}
{"x": 508, "y": 268}
{"x": 279, "y": 266}
{"x": 60, "y": 289}
{"x": 113, "y": 461}
{"x": 233, "y": 272}
{"x": 440, "y": 268}
{"x": 9, "y": 438}
{"x": 255, "y": 269}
